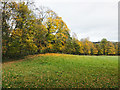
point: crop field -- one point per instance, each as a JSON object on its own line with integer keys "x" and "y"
{"x": 61, "y": 71}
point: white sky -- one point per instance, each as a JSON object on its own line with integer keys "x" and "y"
{"x": 95, "y": 19}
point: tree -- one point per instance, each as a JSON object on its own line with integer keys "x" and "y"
{"x": 110, "y": 48}
{"x": 94, "y": 50}
{"x": 21, "y": 37}
{"x": 58, "y": 33}
{"x": 30, "y": 30}
{"x": 81, "y": 51}
{"x": 103, "y": 44}
{"x": 116, "y": 48}
{"x": 86, "y": 46}
{"x": 5, "y": 27}
{"x": 100, "y": 50}
{"x": 39, "y": 32}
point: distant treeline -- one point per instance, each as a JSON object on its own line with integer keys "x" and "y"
{"x": 27, "y": 29}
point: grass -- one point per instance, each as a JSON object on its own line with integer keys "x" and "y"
{"x": 61, "y": 71}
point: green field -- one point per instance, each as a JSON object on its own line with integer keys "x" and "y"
{"x": 61, "y": 71}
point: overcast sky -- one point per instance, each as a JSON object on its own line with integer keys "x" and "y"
{"x": 95, "y": 19}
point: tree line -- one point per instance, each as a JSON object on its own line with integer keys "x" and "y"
{"x": 27, "y": 29}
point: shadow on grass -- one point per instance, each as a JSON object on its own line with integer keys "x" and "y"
{"x": 10, "y": 59}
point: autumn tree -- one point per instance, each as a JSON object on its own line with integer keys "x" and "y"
{"x": 30, "y": 30}
{"x": 61, "y": 34}
{"x": 110, "y": 48}
{"x": 104, "y": 44}
{"x": 21, "y": 36}
{"x": 116, "y": 47}
{"x": 99, "y": 49}
{"x": 68, "y": 46}
{"x": 81, "y": 49}
{"x": 94, "y": 50}
{"x": 5, "y": 27}
{"x": 86, "y": 46}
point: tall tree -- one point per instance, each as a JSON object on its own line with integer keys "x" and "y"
{"x": 5, "y": 27}
{"x": 103, "y": 44}
{"x": 21, "y": 36}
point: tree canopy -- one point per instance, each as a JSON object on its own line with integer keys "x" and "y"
{"x": 27, "y": 30}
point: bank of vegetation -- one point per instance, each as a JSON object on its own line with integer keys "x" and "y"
{"x": 27, "y": 29}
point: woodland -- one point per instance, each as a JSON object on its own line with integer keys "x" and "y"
{"x": 28, "y": 30}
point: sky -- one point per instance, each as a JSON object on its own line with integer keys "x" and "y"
{"x": 96, "y": 19}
